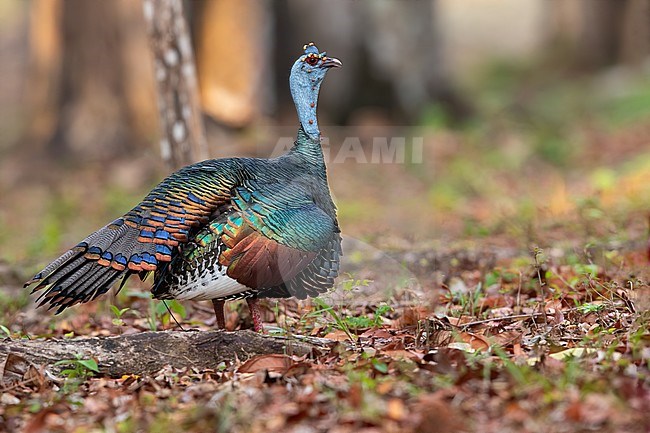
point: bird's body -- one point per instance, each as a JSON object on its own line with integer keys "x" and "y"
{"x": 221, "y": 229}
{"x": 280, "y": 220}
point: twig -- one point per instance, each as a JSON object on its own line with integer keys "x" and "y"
{"x": 500, "y": 319}
{"x": 538, "y": 267}
{"x": 518, "y": 301}
{"x": 16, "y": 385}
{"x": 562, "y": 279}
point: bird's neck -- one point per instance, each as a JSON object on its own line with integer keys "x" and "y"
{"x": 309, "y": 148}
{"x": 304, "y": 91}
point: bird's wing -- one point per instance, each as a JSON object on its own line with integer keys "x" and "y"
{"x": 141, "y": 240}
{"x": 274, "y": 232}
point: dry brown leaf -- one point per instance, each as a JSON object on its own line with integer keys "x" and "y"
{"x": 355, "y": 395}
{"x": 337, "y": 336}
{"x": 17, "y": 370}
{"x": 45, "y": 418}
{"x": 459, "y": 321}
{"x": 516, "y": 350}
{"x": 410, "y": 316}
{"x": 506, "y": 338}
{"x": 14, "y": 369}
{"x": 34, "y": 377}
{"x": 384, "y": 387}
{"x": 275, "y": 362}
{"x": 495, "y": 302}
{"x": 573, "y": 412}
{"x": 395, "y": 409}
{"x": 598, "y": 408}
{"x": 95, "y": 405}
{"x": 514, "y": 412}
{"x": 376, "y": 333}
{"x": 297, "y": 369}
{"x": 403, "y": 354}
{"x": 437, "y": 415}
{"x": 476, "y": 341}
{"x": 554, "y": 311}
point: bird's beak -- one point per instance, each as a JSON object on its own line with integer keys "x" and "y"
{"x": 331, "y": 62}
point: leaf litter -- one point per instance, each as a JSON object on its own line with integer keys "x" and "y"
{"x": 513, "y": 351}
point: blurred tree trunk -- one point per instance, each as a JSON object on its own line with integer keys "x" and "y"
{"x": 394, "y": 67}
{"x": 232, "y": 52}
{"x": 635, "y": 34}
{"x": 598, "y": 43}
{"x": 85, "y": 103}
{"x": 233, "y": 42}
{"x": 602, "y": 33}
{"x": 182, "y": 134}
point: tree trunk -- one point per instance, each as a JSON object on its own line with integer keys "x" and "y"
{"x": 393, "y": 62}
{"x": 148, "y": 352}
{"x": 182, "y": 135}
{"x": 233, "y": 58}
{"x": 601, "y": 33}
{"x": 84, "y": 59}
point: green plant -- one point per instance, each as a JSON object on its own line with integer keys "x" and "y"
{"x": 367, "y": 321}
{"x": 468, "y": 300}
{"x": 590, "y": 308}
{"x": 117, "y": 321}
{"x": 159, "y": 312}
{"x": 349, "y": 323}
{"x": 79, "y": 369}
{"x": 5, "y": 330}
{"x": 351, "y": 284}
{"x": 322, "y": 307}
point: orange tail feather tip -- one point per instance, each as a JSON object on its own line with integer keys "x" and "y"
{"x": 163, "y": 257}
{"x": 181, "y": 237}
{"x": 117, "y": 266}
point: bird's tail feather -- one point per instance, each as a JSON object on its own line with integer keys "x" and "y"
{"x": 89, "y": 269}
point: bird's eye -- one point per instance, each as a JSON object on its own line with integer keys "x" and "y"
{"x": 312, "y": 60}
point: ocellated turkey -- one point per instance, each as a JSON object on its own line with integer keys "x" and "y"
{"x": 221, "y": 229}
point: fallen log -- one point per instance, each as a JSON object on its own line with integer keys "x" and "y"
{"x": 148, "y": 352}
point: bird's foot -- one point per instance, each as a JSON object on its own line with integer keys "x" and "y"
{"x": 218, "y": 311}
{"x": 254, "y": 308}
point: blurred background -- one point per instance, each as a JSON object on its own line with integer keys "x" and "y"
{"x": 534, "y": 116}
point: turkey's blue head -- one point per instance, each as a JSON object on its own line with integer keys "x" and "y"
{"x": 306, "y": 77}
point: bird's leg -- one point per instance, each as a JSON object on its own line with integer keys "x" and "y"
{"x": 218, "y": 311}
{"x": 254, "y": 307}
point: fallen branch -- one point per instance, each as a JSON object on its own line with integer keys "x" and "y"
{"x": 501, "y": 319}
{"x": 148, "y": 352}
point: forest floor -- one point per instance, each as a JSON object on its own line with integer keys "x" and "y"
{"x": 557, "y": 342}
